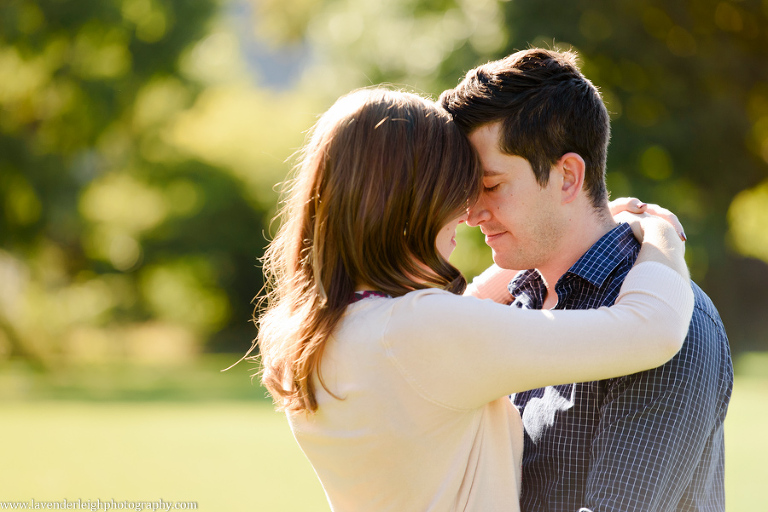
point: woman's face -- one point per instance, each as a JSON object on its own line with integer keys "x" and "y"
{"x": 446, "y": 238}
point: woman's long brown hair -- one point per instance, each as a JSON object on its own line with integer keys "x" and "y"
{"x": 382, "y": 173}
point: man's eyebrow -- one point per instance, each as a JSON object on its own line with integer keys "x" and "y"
{"x": 490, "y": 173}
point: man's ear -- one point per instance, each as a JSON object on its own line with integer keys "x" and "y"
{"x": 572, "y": 168}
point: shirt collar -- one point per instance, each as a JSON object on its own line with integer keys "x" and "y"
{"x": 526, "y": 287}
{"x": 594, "y": 266}
{"x": 605, "y": 255}
{"x": 524, "y": 281}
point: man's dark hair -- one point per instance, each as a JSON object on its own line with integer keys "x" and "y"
{"x": 546, "y": 107}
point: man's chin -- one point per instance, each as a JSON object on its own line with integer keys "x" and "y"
{"x": 506, "y": 261}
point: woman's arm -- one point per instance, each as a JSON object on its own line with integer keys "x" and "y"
{"x": 463, "y": 352}
{"x": 492, "y": 284}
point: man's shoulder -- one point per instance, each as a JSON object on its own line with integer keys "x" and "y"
{"x": 704, "y": 309}
{"x": 706, "y": 351}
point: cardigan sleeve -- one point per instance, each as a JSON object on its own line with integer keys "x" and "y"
{"x": 463, "y": 352}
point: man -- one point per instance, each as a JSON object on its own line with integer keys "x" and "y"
{"x": 652, "y": 441}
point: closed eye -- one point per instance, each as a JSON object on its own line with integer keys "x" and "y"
{"x": 491, "y": 189}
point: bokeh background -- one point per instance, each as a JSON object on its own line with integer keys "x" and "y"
{"x": 140, "y": 145}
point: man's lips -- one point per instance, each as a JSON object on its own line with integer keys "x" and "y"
{"x": 491, "y": 237}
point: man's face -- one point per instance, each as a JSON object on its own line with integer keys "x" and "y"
{"x": 521, "y": 220}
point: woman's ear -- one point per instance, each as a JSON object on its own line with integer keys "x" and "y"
{"x": 572, "y": 168}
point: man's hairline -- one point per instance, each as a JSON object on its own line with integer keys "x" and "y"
{"x": 492, "y": 173}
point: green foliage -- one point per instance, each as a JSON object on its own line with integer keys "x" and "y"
{"x": 134, "y": 379}
{"x": 417, "y": 44}
{"x": 748, "y": 216}
{"x": 108, "y": 224}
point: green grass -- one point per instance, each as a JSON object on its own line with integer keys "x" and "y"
{"x": 229, "y": 456}
{"x": 746, "y": 446}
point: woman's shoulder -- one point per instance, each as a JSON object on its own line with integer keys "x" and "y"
{"x": 438, "y": 298}
{"x": 430, "y": 310}
{"x": 431, "y": 294}
{"x": 367, "y": 301}
{"x": 435, "y": 309}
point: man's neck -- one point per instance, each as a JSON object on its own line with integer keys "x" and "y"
{"x": 580, "y": 236}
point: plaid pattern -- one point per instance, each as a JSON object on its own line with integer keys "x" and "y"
{"x": 652, "y": 441}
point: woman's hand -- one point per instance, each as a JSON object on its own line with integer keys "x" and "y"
{"x": 660, "y": 242}
{"x": 634, "y": 205}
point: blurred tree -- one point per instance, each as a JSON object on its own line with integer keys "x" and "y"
{"x": 107, "y": 224}
{"x": 684, "y": 80}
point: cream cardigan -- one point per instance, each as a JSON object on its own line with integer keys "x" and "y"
{"x": 424, "y": 423}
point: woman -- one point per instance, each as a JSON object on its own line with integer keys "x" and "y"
{"x": 394, "y": 386}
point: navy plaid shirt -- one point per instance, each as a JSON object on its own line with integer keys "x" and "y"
{"x": 652, "y": 441}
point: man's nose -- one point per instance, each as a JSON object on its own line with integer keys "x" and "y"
{"x": 477, "y": 214}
